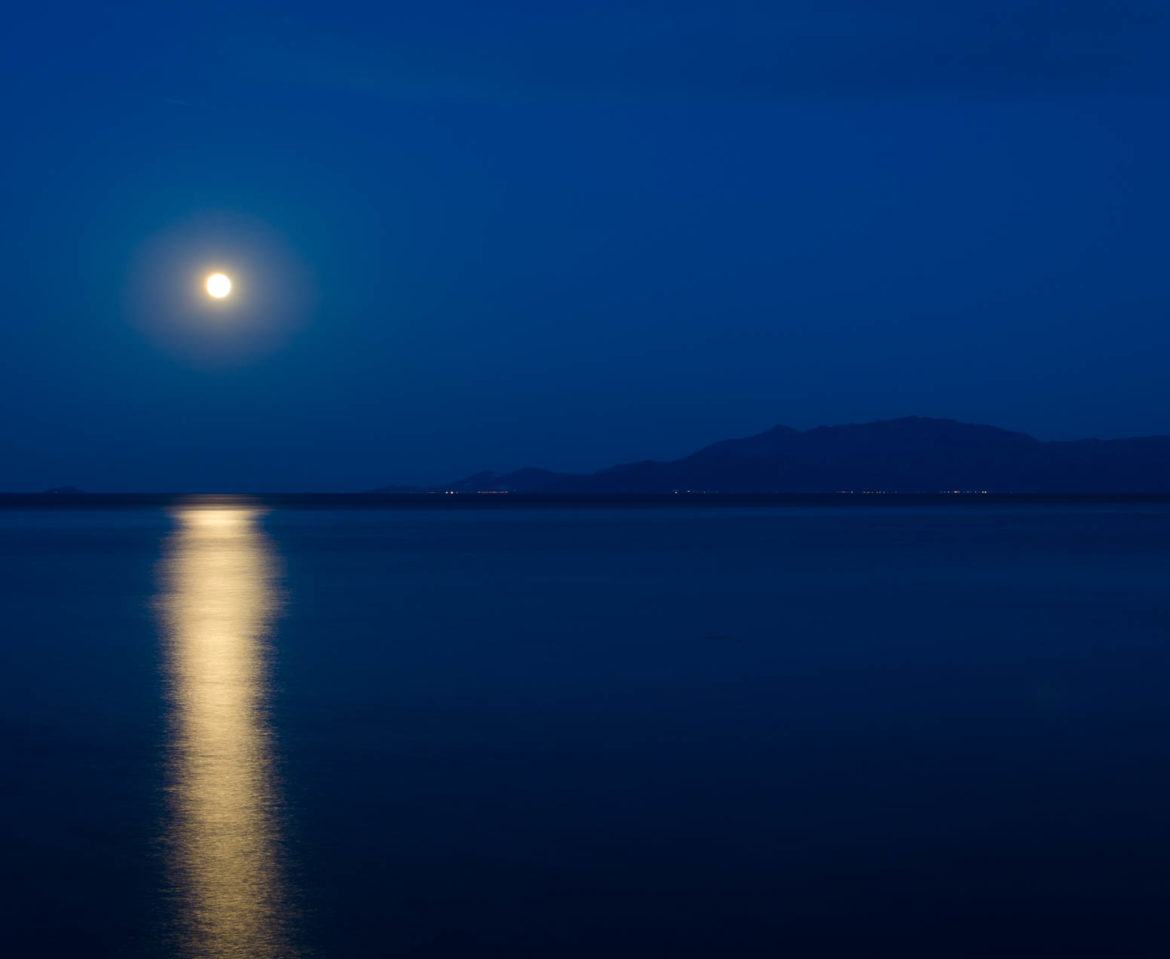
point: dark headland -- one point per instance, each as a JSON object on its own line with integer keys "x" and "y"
{"x": 910, "y": 455}
{"x": 911, "y": 459}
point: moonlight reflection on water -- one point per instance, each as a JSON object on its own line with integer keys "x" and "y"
{"x": 218, "y": 601}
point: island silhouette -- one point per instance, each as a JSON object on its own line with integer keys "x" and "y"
{"x": 913, "y": 454}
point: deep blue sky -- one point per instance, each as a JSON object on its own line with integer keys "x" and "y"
{"x": 492, "y": 235}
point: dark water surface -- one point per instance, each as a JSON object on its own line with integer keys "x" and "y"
{"x": 932, "y": 731}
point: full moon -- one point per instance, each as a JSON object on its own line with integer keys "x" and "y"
{"x": 218, "y": 285}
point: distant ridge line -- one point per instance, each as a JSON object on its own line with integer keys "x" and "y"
{"x": 910, "y": 455}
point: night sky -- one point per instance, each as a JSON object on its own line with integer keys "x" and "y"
{"x": 473, "y": 235}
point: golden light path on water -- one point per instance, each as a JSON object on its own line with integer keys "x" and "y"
{"x": 218, "y": 601}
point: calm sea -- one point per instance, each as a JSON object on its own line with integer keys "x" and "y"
{"x": 228, "y": 731}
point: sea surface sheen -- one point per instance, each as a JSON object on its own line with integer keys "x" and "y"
{"x": 238, "y": 731}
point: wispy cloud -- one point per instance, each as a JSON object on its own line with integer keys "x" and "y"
{"x": 976, "y": 47}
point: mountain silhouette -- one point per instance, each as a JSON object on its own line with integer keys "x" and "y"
{"x": 909, "y": 455}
